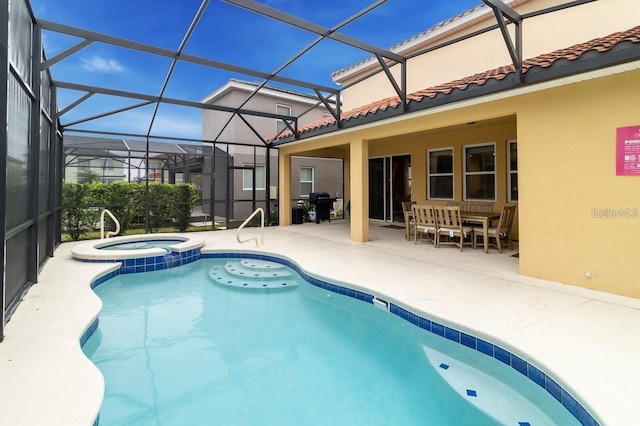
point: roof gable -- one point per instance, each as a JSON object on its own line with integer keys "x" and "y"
{"x": 264, "y": 90}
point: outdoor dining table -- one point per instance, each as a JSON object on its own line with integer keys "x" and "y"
{"x": 485, "y": 219}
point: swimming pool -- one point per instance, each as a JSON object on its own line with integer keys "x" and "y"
{"x": 382, "y": 367}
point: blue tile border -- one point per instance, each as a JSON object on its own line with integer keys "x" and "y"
{"x": 153, "y": 263}
{"x": 89, "y": 332}
{"x": 484, "y": 347}
{"x": 85, "y": 336}
{"x": 520, "y": 365}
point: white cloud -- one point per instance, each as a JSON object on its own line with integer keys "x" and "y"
{"x": 96, "y": 63}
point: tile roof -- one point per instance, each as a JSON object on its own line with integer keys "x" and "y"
{"x": 544, "y": 61}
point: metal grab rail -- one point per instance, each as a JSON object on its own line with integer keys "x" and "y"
{"x": 258, "y": 210}
{"x": 109, "y": 233}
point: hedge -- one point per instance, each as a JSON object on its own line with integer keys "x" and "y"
{"x": 82, "y": 204}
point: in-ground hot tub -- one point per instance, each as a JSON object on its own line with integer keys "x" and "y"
{"x": 140, "y": 253}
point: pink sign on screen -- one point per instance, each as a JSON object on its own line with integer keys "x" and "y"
{"x": 628, "y": 151}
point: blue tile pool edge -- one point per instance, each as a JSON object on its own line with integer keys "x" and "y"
{"x": 483, "y": 346}
{"x": 88, "y": 333}
{"x": 487, "y": 348}
{"x": 153, "y": 263}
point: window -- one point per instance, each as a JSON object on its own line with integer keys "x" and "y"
{"x": 440, "y": 174}
{"x": 84, "y": 165}
{"x": 282, "y": 110}
{"x": 480, "y": 172}
{"x": 306, "y": 181}
{"x": 247, "y": 177}
{"x": 513, "y": 171}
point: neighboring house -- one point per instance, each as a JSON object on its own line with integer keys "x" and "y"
{"x": 112, "y": 160}
{"x": 554, "y": 133}
{"x": 108, "y": 160}
{"x": 158, "y": 172}
{"x": 95, "y": 168}
{"x": 247, "y": 150}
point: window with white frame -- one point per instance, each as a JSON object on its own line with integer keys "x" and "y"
{"x": 513, "y": 171}
{"x": 306, "y": 181}
{"x": 440, "y": 174}
{"x": 480, "y": 172}
{"x": 247, "y": 177}
{"x": 282, "y": 110}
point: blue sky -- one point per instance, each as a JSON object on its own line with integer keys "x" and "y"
{"x": 225, "y": 33}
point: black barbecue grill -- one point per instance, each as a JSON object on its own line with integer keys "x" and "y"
{"x": 323, "y": 203}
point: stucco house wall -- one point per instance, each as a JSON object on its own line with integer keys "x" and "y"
{"x": 568, "y": 178}
{"x": 328, "y": 171}
{"x": 566, "y": 136}
{"x": 541, "y": 34}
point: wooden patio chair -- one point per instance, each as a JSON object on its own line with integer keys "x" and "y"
{"x": 408, "y": 218}
{"x": 450, "y": 226}
{"x": 462, "y": 204}
{"x": 480, "y": 207}
{"x": 500, "y": 232}
{"x": 426, "y": 224}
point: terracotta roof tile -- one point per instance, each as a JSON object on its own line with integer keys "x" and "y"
{"x": 546, "y": 60}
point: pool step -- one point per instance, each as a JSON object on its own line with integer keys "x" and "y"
{"x": 252, "y": 273}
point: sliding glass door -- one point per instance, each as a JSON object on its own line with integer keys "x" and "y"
{"x": 378, "y": 191}
{"x": 389, "y": 185}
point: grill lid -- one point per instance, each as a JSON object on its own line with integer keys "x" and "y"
{"x": 317, "y": 196}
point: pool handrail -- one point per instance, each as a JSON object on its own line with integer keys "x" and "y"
{"x": 247, "y": 220}
{"x": 109, "y": 233}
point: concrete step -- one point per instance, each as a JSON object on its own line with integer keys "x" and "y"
{"x": 252, "y": 273}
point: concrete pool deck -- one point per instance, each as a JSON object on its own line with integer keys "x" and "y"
{"x": 587, "y": 341}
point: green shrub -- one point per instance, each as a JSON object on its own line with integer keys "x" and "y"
{"x": 185, "y": 200}
{"x": 274, "y": 219}
{"x": 75, "y": 219}
{"x": 84, "y": 202}
{"x": 123, "y": 200}
{"x": 161, "y": 199}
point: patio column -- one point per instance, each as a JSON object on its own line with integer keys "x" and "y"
{"x": 284, "y": 172}
{"x": 346, "y": 187}
{"x": 359, "y": 190}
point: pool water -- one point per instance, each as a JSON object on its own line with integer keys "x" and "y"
{"x": 138, "y": 245}
{"x": 177, "y": 347}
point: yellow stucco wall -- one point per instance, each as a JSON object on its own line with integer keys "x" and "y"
{"x": 566, "y": 139}
{"x": 566, "y": 143}
{"x": 284, "y": 188}
{"x": 494, "y": 131}
{"x": 359, "y": 190}
{"x": 542, "y": 34}
{"x": 566, "y": 156}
